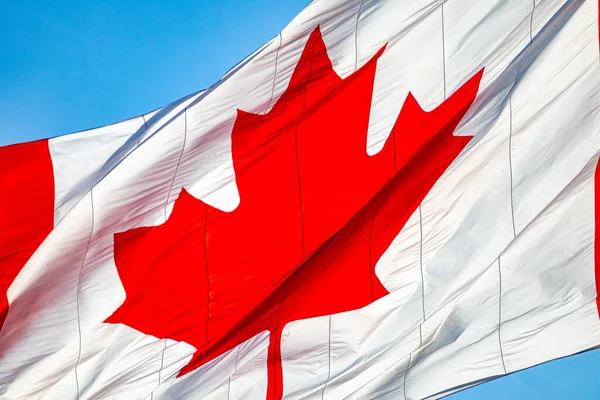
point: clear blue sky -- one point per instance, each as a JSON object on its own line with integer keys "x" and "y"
{"x": 67, "y": 65}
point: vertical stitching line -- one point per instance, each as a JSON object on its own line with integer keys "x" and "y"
{"x": 444, "y": 50}
{"x": 178, "y": 161}
{"x": 531, "y": 24}
{"x": 500, "y": 315}
{"x": 79, "y": 290}
{"x": 528, "y": 46}
{"x": 162, "y": 359}
{"x": 296, "y": 145}
{"x": 207, "y": 274}
{"x": 597, "y": 27}
{"x": 510, "y": 169}
{"x": 530, "y": 42}
{"x": 229, "y": 386}
{"x": 422, "y": 297}
{"x": 369, "y": 255}
{"x": 360, "y": 5}
{"x": 237, "y": 354}
{"x": 274, "y": 74}
{"x": 422, "y": 275}
{"x": 406, "y": 373}
{"x": 510, "y": 119}
{"x": 328, "y": 362}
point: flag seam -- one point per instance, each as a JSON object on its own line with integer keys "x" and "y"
{"x": 275, "y": 73}
{"x": 329, "y": 361}
{"x": 87, "y": 247}
{"x": 443, "y": 50}
{"x": 510, "y": 167}
{"x": 235, "y": 363}
{"x": 500, "y": 314}
{"x": 360, "y": 5}
{"x": 178, "y": 161}
{"x": 406, "y": 373}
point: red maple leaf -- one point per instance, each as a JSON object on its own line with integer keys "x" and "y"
{"x": 315, "y": 215}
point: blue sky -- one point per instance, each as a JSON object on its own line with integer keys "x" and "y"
{"x": 68, "y": 65}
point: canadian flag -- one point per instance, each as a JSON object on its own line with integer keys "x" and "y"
{"x": 390, "y": 199}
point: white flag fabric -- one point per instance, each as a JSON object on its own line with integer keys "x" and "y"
{"x": 390, "y": 199}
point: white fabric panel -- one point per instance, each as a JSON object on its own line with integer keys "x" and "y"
{"x": 509, "y": 62}
{"x": 78, "y": 159}
{"x": 206, "y": 168}
{"x": 133, "y": 357}
{"x": 467, "y": 218}
{"x": 399, "y": 268}
{"x": 305, "y": 355}
{"x": 241, "y": 373}
{"x": 460, "y": 343}
{"x": 481, "y": 34}
{"x": 249, "y": 381}
{"x": 431, "y": 65}
{"x": 557, "y": 96}
{"x": 368, "y": 344}
{"x": 547, "y": 275}
{"x": 389, "y": 384}
{"x": 222, "y": 392}
{"x": 412, "y": 62}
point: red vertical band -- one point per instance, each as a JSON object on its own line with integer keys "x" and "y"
{"x": 596, "y": 205}
{"x": 26, "y": 208}
{"x": 597, "y": 232}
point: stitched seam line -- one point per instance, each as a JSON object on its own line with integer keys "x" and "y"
{"x": 178, "y": 161}
{"x": 510, "y": 168}
{"x": 328, "y": 361}
{"x": 237, "y": 354}
{"x": 406, "y": 373}
{"x": 297, "y": 152}
{"x": 531, "y": 24}
{"x": 356, "y": 35}
{"x": 510, "y": 115}
{"x": 162, "y": 360}
{"x": 275, "y": 73}
{"x": 79, "y": 290}
{"x": 500, "y": 314}
{"x": 369, "y": 255}
{"x": 444, "y": 50}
